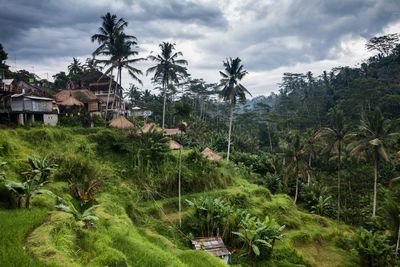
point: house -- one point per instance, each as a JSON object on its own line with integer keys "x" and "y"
{"x": 32, "y": 109}
{"x": 22, "y": 102}
{"x": 121, "y": 123}
{"x": 79, "y": 98}
{"x": 213, "y": 245}
{"x": 99, "y": 84}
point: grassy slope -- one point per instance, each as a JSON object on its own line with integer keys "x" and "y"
{"x": 152, "y": 239}
{"x": 14, "y": 226}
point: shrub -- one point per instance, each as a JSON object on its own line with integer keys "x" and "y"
{"x": 274, "y": 183}
{"x": 75, "y": 168}
{"x": 374, "y": 250}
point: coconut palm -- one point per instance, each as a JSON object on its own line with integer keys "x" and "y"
{"x": 296, "y": 163}
{"x": 168, "y": 71}
{"x": 120, "y": 57}
{"x": 232, "y": 90}
{"x": 75, "y": 68}
{"x": 108, "y": 32}
{"x": 116, "y": 44}
{"x": 334, "y": 138}
{"x": 375, "y": 133}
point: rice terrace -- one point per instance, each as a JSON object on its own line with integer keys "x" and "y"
{"x": 199, "y": 133}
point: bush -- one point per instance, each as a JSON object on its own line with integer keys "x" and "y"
{"x": 75, "y": 168}
{"x": 274, "y": 183}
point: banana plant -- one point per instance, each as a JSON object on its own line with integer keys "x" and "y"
{"x": 84, "y": 215}
{"x": 257, "y": 234}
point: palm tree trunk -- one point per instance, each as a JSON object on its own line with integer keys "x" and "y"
{"x": 338, "y": 177}
{"x": 179, "y": 185}
{"x": 269, "y": 136}
{"x": 165, "y": 103}
{"x": 230, "y": 133}
{"x": 308, "y": 172}
{"x": 398, "y": 240}
{"x": 297, "y": 189}
{"x": 375, "y": 184}
{"x": 109, "y": 92}
{"x": 116, "y": 87}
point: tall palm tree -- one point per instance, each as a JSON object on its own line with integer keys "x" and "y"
{"x": 120, "y": 54}
{"x": 232, "y": 90}
{"x": 111, "y": 28}
{"x": 168, "y": 71}
{"x": 296, "y": 163}
{"x": 333, "y": 139}
{"x": 111, "y": 38}
{"x": 375, "y": 133}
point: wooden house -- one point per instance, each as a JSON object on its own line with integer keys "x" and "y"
{"x": 33, "y": 108}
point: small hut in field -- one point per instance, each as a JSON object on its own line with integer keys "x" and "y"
{"x": 211, "y": 155}
{"x": 173, "y": 145}
{"x": 213, "y": 245}
{"x": 121, "y": 123}
{"x": 148, "y": 126}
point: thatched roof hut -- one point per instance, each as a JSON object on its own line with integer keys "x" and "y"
{"x": 148, "y": 126}
{"x": 174, "y": 145}
{"x": 121, "y": 123}
{"x": 211, "y": 155}
{"x": 71, "y": 102}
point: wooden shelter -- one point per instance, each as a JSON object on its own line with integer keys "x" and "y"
{"x": 213, "y": 245}
{"x": 173, "y": 145}
{"x": 71, "y": 102}
{"x": 172, "y": 131}
{"x": 210, "y": 154}
{"x": 121, "y": 123}
{"x": 88, "y": 99}
{"x": 148, "y": 126}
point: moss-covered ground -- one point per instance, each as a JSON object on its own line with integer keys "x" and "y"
{"x": 137, "y": 228}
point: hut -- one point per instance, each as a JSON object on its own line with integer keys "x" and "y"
{"x": 173, "y": 145}
{"x": 89, "y": 100}
{"x": 121, "y": 123}
{"x": 172, "y": 131}
{"x": 148, "y": 126}
{"x": 211, "y": 155}
{"x": 213, "y": 245}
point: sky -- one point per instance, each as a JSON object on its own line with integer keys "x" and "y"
{"x": 270, "y": 36}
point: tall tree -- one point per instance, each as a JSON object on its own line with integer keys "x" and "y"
{"x": 374, "y": 134}
{"x": 333, "y": 139}
{"x": 75, "y": 69}
{"x": 117, "y": 46}
{"x": 232, "y": 90}
{"x": 168, "y": 71}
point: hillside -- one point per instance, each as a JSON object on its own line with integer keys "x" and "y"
{"x": 137, "y": 207}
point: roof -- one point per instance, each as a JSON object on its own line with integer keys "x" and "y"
{"x": 71, "y": 101}
{"x": 213, "y": 245}
{"x": 174, "y": 145}
{"x": 151, "y": 125}
{"x": 84, "y": 95}
{"x": 32, "y": 97}
{"x": 8, "y": 81}
{"x": 210, "y": 154}
{"x": 121, "y": 123}
{"x": 172, "y": 131}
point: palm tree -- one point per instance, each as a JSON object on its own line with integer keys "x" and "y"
{"x": 232, "y": 90}
{"x": 168, "y": 71}
{"x": 75, "y": 68}
{"x": 373, "y": 136}
{"x": 296, "y": 162}
{"x": 111, "y": 38}
{"x": 334, "y": 138}
{"x": 120, "y": 54}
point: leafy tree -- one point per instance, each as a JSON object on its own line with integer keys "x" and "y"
{"x": 232, "y": 90}
{"x": 383, "y": 44}
{"x": 168, "y": 71}
{"x": 373, "y": 136}
{"x": 60, "y": 80}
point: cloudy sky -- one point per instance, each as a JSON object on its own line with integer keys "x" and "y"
{"x": 271, "y": 37}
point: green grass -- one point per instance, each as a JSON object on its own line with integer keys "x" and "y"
{"x": 14, "y": 227}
